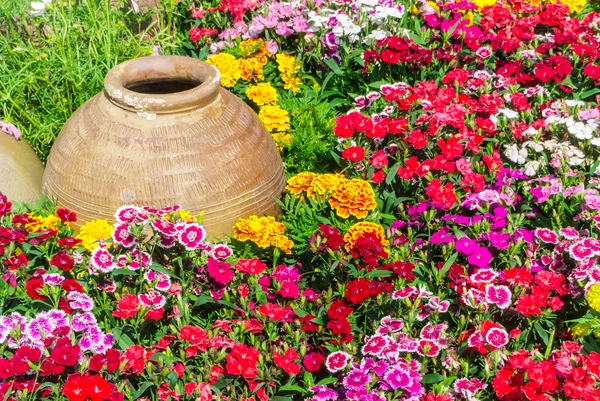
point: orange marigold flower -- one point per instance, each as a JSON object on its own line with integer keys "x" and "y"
{"x": 300, "y": 183}
{"x": 362, "y": 229}
{"x": 325, "y": 183}
{"x": 264, "y": 232}
{"x": 353, "y": 197}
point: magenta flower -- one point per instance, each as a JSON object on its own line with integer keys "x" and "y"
{"x": 397, "y": 378}
{"x": 497, "y": 337}
{"x": 357, "y": 379}
{"x": 547, "y": 236}
{"x": 219, "y": 271}
{"x": 500, "y": 295}
{"x": 122, "y": 236}
{"x": 337, "y": 361}
{"x": 466, "y": 245}
{"x": 192, "y": 236}
{"x": 102, "y": 260}
{"x": 480, "y": 257}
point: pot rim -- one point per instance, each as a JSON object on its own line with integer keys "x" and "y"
{"x": 154, "y": 68}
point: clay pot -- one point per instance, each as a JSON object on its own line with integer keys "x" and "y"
{"x": 163, "y": 133}
{"x": 20, "y": 169}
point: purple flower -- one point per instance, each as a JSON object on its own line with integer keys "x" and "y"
{"x": 82, "y": 321}
{"x": 466, "y": 246}
{"x": 38, "y": 329}
{"x": 10, "y": 129}
{"x": 480, "y": 257}
{"x": 322, "y": 393}
{"x": 80, "y": 301}
{"x": 93, "y": 339}
{"x": 397, "y": 378}
{"x": 357, "y": 379}
{"x": 283, "y": 29}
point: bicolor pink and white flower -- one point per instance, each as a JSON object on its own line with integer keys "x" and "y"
{"x": 102, "y": 260}
{"x": 337, "y": 361}
{"x": 192, "y": 236}
{"x": 499, "y": 295}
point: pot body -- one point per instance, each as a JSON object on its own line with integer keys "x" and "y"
{"x": 20, "y": 170}
{"x": 201, "y": 148}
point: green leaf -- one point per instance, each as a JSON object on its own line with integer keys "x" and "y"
{"x": 379, "y": 273}
{"x": 143, "y": 387}
{"x": 433, "y": 378}
{"x": 326, "y": 381}
{"x": 449, "y": 263}
{"x": 204, "y": 299}
{"x": 292, "y": 388}
{"x": 334, "y": 66}
{"x": 125, "y": 272}
{"x": 392, "y": 173}
{"x": 541, "y": 332}
{"x": 159, "y": 268}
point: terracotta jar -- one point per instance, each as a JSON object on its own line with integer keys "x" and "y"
{"x": 20, "y": 169}
{"x": 162, "y": 133}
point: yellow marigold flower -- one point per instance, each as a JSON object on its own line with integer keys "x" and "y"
{"x": 274, "y": 118}
{"x": 359, "y": 230}
{"x": 300, "y": 183}
{"x": 484, "y": 3}
{"x": 353, "y": 197}
{"x": 593, "y": 297}
{"x": 575, "y": 6}
{"x": 262, "y": 94}
{"x": 324, "y": 183}
{"x": 580, "y": 330}
{"x": 93, "y": 231}
{"x": 254, "y": 47}
{"x": 288, "y": 67}
{"x": 251, "y": 69}
{"x": 229, "y": 67}
{"x": 264, "y": 232}
{"x": 414, "y": 10}
{"x": 282, "y": 140}
{"x": 185, "y": 215}
{"x": 42, "y": 223}
{"x": 434, "y": 5}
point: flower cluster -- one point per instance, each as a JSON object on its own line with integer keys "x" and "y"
{"x": 263, "y": 231}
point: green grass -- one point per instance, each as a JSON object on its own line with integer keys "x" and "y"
{"x": 50, "y": 65}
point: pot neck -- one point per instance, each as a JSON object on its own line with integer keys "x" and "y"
{"x": 162, "y": 84}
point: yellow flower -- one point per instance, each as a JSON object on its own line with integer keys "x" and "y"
{"x": 574, "y": 5}
{"x": 254, "y": 47}
{"x": 288, "y": 67}
{"x": 353, "y": 197}
{"x": 42, "y": 223}
{"x": 93, "y": 231}
{"x": 593, "y": 297}
{"x": 185, "y": 215}
{"x": 324, "y": 183}
{"x": 300, "y": 183}
{"x": 262, "y": 94}
{"x": 580, "y": 330}
{"x": 434, "y": 5}
{"x": 282, "y": 140}
{"x": 251, "y": 69}
{"x": 264, "y": 232}
{"x": 274, "y": 118}
{"x": 359, "y": 230}
{"x": 229, "y": 67}
{"x": 484, "y": 3}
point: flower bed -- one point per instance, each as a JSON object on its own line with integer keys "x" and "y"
{"x": 439, "y": 237}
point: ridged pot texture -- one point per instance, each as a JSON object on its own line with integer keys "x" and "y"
{"x": 165, "y": 133}
{"x": 20, "y": 170}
